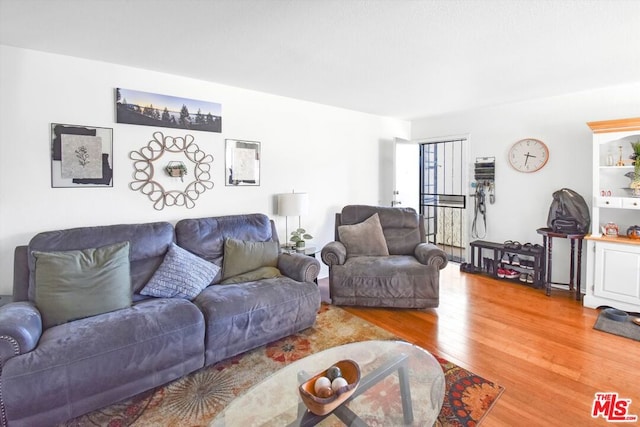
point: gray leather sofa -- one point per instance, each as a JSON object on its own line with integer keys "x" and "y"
{"x": 391, "y": 267}
{"x": 49, "y": 375}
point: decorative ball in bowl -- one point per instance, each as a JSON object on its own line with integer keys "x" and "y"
{"x": 328, "y": 389}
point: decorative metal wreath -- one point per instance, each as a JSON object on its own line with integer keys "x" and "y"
{"x": 144, "y": 170}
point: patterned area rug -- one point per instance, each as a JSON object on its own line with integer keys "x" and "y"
{"x": 195, "y": 399}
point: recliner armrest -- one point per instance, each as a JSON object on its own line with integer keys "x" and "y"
{"x": 334, "y": 253}
{"x": 299, "y": 267}
{"x": 20, "y": 329}
{"x": 430, "y": 254}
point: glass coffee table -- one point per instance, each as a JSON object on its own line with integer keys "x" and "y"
{"x": 400, "y": 384}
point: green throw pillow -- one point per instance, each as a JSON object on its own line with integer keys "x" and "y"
{"x": 253, "y": 275}
{"x": 242, "y": 256}
{"x": 72, "y": 285}
{"x": 365, "y": 238}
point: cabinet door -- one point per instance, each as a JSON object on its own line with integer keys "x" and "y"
{"x": 617, "y": 272}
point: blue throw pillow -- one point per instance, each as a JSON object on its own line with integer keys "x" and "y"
{"x": 181, "y": 275}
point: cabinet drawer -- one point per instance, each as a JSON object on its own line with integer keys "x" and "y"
{"x": 631, "y": 203}
{"x": 609, "y": 202}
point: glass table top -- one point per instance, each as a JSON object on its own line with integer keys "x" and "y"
{"x": 401, "y": 384}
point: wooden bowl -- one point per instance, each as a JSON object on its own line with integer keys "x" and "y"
{"x": 324, "y": 405}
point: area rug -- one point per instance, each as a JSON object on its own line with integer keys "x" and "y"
{"x": 625, "y": 328}
{"x": 195, "y": 399}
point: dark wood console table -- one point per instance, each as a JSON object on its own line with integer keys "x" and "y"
{"x": 547, "y": 237}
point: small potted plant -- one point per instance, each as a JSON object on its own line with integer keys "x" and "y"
{"x": 636, "y": 155}
{"x": 635, "y": 175}
{"x": 176, "y": 169}
{"x": 298, "y": 237}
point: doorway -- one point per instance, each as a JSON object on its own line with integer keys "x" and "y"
{"x": 442, "y": 195}
{"x": 406, "y": 175}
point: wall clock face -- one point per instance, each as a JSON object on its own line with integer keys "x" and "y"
{"x": 528, "y": 155}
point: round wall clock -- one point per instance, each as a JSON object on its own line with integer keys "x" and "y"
{"x": 528, "y": 155}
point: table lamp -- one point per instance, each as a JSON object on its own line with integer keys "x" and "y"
{"x": 292, "y": 204}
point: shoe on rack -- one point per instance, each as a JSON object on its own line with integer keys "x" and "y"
{"x": 501, "y": 273}
{"x": 488, "y": 265}
{"x": 512, "y": 244}
{"x": 530, "y": 278}
{"x": 515, "y": 260}
{"x": 511, "y": 274}
{"x": 525, "y": 263}
{"x": 523, "y": 277}
{"x": 506, "y": 259}
{"x": 467, "y": 267}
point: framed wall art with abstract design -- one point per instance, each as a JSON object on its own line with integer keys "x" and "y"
{"x": 81, "y": 156}
{"x": 242, "y": 160}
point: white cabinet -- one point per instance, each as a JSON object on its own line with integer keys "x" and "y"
{"x": 617, "y": 275}
{"x": 613, "y": 264}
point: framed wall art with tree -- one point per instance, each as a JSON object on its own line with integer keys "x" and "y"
{"x": 81, "y": 156}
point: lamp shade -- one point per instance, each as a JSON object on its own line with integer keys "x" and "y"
{"x": 293, "y": 204}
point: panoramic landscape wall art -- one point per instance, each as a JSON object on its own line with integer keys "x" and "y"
{"x": 151, "y": 109}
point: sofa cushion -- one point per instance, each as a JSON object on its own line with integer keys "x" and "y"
{"x": 148, "y": 244}
{"x": 205, "y": 236}
{"x": 76, "y": 284}
{"x": 181, "y": 275}
{"x": 394, "y": 281}
{"x": 241, "y": 256}
{"x": 243, "y": 316}
{"x": 365, "y": 238}
{"x": 253, "y": 275}
{"x": 402, "y": 227}
{"x": 94, "y": 362}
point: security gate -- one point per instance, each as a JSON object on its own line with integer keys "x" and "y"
{"x": 442, "y": 198}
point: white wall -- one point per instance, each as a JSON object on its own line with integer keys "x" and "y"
{"x": 522, "y": 200}
{"x": 333, "y": 154}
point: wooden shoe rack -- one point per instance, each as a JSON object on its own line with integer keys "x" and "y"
{"x": 497, "y": 251}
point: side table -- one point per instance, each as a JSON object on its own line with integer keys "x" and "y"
{"x": 547, "y": 237}
{"x": 307, "y": 250}
{"x": 5, "y": 299}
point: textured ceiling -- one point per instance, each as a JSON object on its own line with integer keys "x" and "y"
{"x": 398, "y": 58}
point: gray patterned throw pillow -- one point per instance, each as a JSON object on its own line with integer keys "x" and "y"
{"x": 181, "y": 275}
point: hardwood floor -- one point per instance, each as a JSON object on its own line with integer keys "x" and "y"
{"x": 542, "y": 350}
